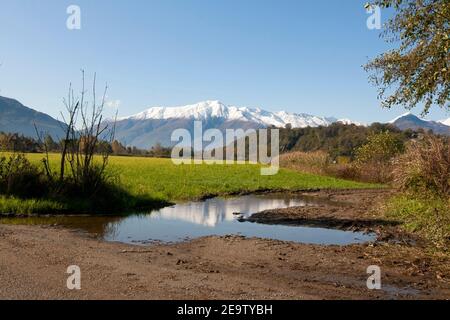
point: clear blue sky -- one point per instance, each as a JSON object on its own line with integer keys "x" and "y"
{"x": 298, "y": 56}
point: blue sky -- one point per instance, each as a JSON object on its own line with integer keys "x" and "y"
{"x": 293, "y": 55}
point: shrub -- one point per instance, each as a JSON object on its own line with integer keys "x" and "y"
{"x": 425, "y": 167}
{"x": 373, "y": 159}
{"x": 19, "y": 177}
{"x": 344, "y": 171}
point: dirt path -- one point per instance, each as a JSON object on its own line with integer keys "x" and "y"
{"x": 33, "y": 263}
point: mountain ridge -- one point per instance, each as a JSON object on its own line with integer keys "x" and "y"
{"x": 411, "y": 121}
{"x": 155, "y": 125}
{"x": 215, "y": 109}
{"x": 18, "y": 118}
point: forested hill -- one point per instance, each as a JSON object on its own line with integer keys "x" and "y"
{"x": 336, "y": 139}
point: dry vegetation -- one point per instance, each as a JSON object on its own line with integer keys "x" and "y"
{"x": 424, "y": 167}
{"x": 319, "y": 162}
{"x": 420, "y": 171}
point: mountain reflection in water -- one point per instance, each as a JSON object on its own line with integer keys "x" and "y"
{"x": 212, "y": 217}
{"x": 213, "y": 211}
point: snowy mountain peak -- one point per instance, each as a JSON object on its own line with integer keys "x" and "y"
{"x": 411, "y": 121}
{"x": 201, "y": 110}
{"x": 445, "y": 122}
{"x": 349, "y": 122}
{"x": 401, "y": 116}
{"x": 214, "y": 109}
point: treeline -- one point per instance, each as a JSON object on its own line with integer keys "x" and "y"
{"x": 20, "y": 143}
{"x": 337, "y": 139}
{"x": 16, "y": 142}
{"x": 157, "y": 151}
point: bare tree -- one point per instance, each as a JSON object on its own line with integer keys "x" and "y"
{"x": 84, "y": 130}
{"x": 46, "y": 160}
{"x": 72, "y": 108}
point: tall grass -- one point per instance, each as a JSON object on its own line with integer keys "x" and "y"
{"x": 426, "y": 216}
{"x": 423, "y": 176}
{"x": 425, "y": 167}
{"x": 316, "y": 162}
{"x": 20, "y": 206}
{"x": 319, "y": 162}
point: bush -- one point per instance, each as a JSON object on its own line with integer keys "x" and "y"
{"x": 373, "y": 159}
{"x": 24, "y": 189}
{"x": 19, "y": 177}
{"x": 425, "y": 167}
{"x": 344, "y": 171}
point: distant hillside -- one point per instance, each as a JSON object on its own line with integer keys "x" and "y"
{"x": 16, "y": 118}
{"x": 336, "y": 139}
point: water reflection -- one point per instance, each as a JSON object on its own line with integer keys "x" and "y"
{"x": 197, "y": 219}
{"x": 214, "y": 211}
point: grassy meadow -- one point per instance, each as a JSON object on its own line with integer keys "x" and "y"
{"x": 163, "y": 181}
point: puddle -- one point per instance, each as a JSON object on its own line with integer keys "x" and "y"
{"x": 213, "y": 217}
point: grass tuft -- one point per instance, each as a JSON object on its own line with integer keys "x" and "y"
{"x": 426, "y": 216}
{"x": 17, "y": 206}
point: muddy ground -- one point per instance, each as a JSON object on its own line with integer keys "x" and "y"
{"x": 34, "y": 260}
{"x": 354, "y": 210}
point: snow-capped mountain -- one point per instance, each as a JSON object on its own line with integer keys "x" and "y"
{"x": 349, "y": 122}
{"x": 445, "y": 121}
{"x": 410, "y": 121}
{"x": 405, "y": 115}
{"x": 155, "y": 125}
{"x": 207, "y": 110}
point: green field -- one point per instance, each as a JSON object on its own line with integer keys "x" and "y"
{"x": 160, "y": 179}
{"x": 164, "y": 180}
